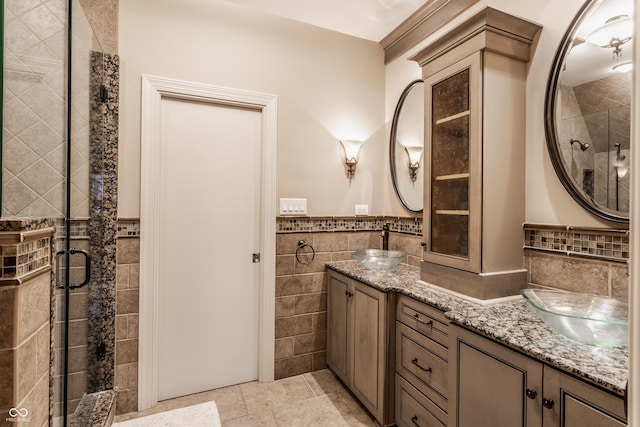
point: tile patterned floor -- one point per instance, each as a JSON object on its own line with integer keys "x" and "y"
{"x": 314, "y": 399}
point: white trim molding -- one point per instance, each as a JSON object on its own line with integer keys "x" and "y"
{"x": 154, "y": 89}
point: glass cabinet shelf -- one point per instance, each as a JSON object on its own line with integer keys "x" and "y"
{"x": 452, "y": 176}
{"x": 451, "y": 212}
{"x": 453, "y": 117}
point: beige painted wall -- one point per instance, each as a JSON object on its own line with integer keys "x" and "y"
{"x": 546, "y": 199}
{"x": 329, "y": 86}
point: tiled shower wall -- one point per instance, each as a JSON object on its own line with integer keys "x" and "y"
{"x": 597, "y": 113}
{"x": 34, "y": 108}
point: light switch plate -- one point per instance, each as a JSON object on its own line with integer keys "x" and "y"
{"x": 293, "y": 206}
{"x": 362, "y": 210}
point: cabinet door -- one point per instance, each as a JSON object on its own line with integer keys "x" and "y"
{"x": 337, "y": 325}
{"x": 453, "y": 188}
{"x": 496, "y": 387}
{"x": 578, "y": 404}
{"x": 369, "y": 308}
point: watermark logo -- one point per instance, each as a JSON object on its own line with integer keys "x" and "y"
{"x": 18, "y": 415}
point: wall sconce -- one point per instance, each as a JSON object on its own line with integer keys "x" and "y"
{"x": 614, "y": 33}
{"x": 414, "y": 153}
{"x": 351, "y": 148}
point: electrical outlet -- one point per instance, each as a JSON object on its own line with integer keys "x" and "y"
{"x": 362, "y": 210}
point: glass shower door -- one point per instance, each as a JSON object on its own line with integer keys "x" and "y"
{"x": 86, "y": 326}
{"x": 59, "y": 99}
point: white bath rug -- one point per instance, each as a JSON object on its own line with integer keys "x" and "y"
{"x": 202, "y": 415}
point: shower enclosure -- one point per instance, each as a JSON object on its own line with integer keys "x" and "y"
{"x": 594, "y": 139}
{"x": 59, "y": 160}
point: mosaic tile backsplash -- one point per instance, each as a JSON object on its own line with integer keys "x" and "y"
{"x": 320, "y": 224}
{"x": 606, "y": 244}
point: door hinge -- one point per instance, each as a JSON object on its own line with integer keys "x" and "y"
{"x": 104, "y": 94}
{"x": 256, "y": 257}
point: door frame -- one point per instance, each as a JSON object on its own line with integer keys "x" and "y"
{"x": 154, "y": 89}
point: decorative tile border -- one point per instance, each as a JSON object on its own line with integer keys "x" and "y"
{"x": 285, "y": 224}
{"x": 25, "y": 249}
{"x": 128, "y": 228}
{"x": 24, "y": 224}
{"x": 20, "y": 260}
{"x": 78, "y": 229}
{"x": 606, "y": 243}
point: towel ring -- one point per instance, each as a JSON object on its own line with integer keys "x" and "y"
{"x": 301, "y": 245}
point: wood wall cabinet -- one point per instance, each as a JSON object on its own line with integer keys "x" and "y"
{"x": 358, "y": 337}
{"x": 422, "y": 371}
{"x": 499, "y": 387}
{"x": 475, "y": 117}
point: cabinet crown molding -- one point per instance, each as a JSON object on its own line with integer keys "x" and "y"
{"x": 491, "y": 30}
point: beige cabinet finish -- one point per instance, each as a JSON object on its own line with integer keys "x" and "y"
{"x": 338, "y": 346}
{"x": 422, "y": 371}
{"x": 577, "y": 404}
{"x": 357, "y": 336}
{"x": 497, "y": 386}
{"x": 492, "y": 383}
{"x": 475, "y": 114}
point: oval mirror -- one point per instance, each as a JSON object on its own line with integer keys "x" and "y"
{"x": 406, "y": 147}
{"x": 588, "y": 107}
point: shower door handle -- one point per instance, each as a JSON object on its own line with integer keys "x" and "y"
{"x": 87, "y": 268}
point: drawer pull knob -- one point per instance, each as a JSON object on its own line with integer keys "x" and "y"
{"x": 417, "y": 317}
{"x": 547, "y": 403}
{"x": 414, "y": 420}
{"x": 531, "y": 394}
{"x": 415, "y": 362}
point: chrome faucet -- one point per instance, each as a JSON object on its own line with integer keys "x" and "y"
{"x": 385, "y": 237}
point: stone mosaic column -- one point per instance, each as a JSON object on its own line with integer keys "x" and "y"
{"x": 103, "y": 169}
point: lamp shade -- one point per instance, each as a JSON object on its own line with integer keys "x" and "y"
{"x": 614, "y": 32}
{"x": 351, "y": 148}
{"x": 623, "y": 67}
{"x": 414, "y": 153}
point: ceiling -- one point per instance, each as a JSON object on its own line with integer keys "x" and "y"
{"x": 587, "y": 62}
{"x": 367, "y": 19}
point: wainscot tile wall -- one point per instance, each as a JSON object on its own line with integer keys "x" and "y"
{"x": 301, "y": 299}
{"x": 127, "y": 310}
{"x": 303, "y": 246}
{"x": 578, "y": 259}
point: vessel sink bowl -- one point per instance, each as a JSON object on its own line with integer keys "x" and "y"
{"x": 378, "y": 259}
{"x": 589, "y": 319}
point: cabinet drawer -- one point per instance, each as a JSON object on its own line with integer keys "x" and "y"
{"x": 427, "y": 320}
{"x": 414, "y": 409}
{"x": 423, "y": 363}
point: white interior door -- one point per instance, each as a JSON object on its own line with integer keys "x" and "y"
{"x": 209, "y": 227}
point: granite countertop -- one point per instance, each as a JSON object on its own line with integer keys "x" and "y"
{"x": 511, "y": 323}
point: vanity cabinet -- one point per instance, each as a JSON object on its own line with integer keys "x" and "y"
{"x": 422, "y": 371}
{"x": 496, "y": 386}
{"x": 475, "y": 117}
{"x": 357, "y": 341}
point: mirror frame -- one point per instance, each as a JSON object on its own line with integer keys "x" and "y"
{"x": 392, "y": 144}
{"x": 550, "y": 123}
